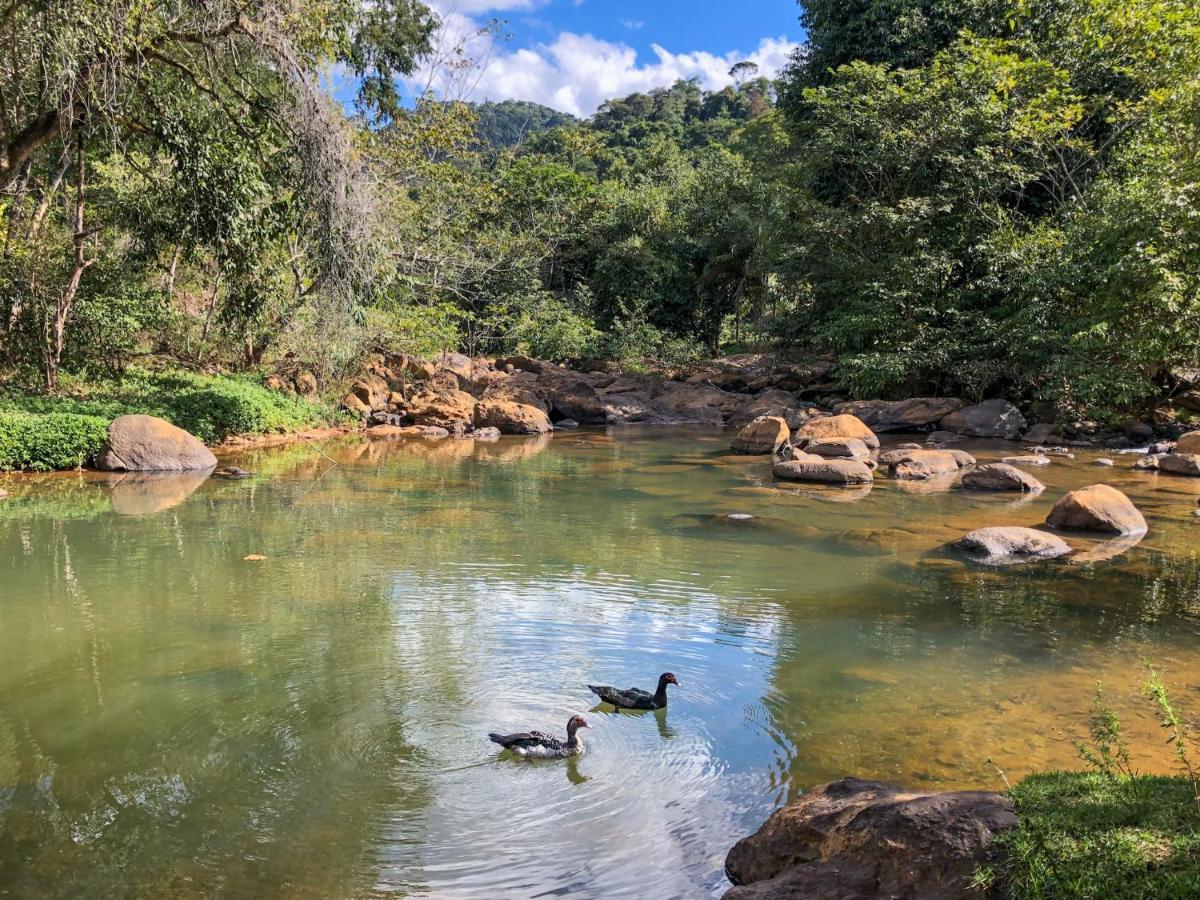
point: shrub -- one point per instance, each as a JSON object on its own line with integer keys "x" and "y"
{"x": 41, "y": 443}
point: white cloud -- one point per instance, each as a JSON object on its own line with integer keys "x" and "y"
{"x": 632, "y": 24}
{"x": 575, "y": 73}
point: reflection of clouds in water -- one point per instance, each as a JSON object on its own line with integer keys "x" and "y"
{"x": 494, "y": 652}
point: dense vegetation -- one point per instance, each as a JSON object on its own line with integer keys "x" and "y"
{"x": 993, "y": 196}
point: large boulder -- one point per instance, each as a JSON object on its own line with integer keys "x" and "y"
{"x": 511, "y": 417}
{"x": 764, "y": 435}
{"x": 915, "y": 414}
{"x": 147, "y": 444}
{"x": 372, "y": 391}
{"x": 573, "y": 399}
{"x": 806, "y": 467}
{"x": 860, "y": 839}
{"x": 1180, "y": 463}
{"x": 1001, "y": 477}
{"x": 458, "y": 363}
{"x": 835, "y": 428}
{"x": 1188, "y": 443}
{"x": 990, "y": 419}
{"x": 1099, "y": 507}
{"x": 1012, "y": 544}
{"x": 446, "y": 408}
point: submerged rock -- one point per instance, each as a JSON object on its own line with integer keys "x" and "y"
{"x": 1003, "y": 545}
{"x": 1099, "y": 507}
{"x": 147, "y": 444}
{"x": 762, "y": 436}
{"x": 854, "y": 838}
{"x": 1001, "y": 477}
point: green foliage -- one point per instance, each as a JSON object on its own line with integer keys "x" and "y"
{"x": 551, "y": 329}
{"x": 1090, "y": 836}
{"x": 210, "y": 407}
{"x": 41, "y": 443}
{"x": 1108, "y": 753}
{"x": 511, "y": 122}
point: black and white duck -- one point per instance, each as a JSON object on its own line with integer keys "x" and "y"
{"x": 635, "y": 698}
{"x": 539, "y": 745}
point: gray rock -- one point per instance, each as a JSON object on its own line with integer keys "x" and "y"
{"x": 992, "y": 418}
{"x": 1180, "y": 464}
{"x": 823, "y": 471}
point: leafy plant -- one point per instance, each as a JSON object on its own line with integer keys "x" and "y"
{"x": 1170, "y": 719}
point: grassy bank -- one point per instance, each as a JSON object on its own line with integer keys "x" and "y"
{"x": 40, "y": 432}
{"x": 1085, "y": 834}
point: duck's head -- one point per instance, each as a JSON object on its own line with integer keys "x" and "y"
{"x": 577, "y": 722}
{"x": 667, "y": 678}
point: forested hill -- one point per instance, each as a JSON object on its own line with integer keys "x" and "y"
{"x": 976, "y": 198}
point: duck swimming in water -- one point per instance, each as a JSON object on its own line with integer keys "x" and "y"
{"x": 635, "y": 698}
{"x": 539, "y": 745}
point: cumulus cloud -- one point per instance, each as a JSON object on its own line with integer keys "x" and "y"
{"x": 575, "y": 73}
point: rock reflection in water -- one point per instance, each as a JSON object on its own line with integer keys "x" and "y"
{"x": 147, "y": 493}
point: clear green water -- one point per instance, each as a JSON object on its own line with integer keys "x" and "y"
{"x": 176, "y": 720}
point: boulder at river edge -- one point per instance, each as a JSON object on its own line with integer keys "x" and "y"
{"x": 915, "y": 414}
{"x": 854, "y": 838}
{"x": 147, "y": 444}
{"x": 1001, "y": 477}
{"x": 1188, "y": 443}
{"x": 990, "y": 419}
{"x": 1003, "y": 545}
{"x": 806, "y": 467}
{"x": 763, "y": 436}
{"x": 1100, "y": 508}
{"x": 1180, "y": 463}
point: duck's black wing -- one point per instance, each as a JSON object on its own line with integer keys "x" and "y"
{"x": 525, "y": 739}
{"x": 631, "y": 698}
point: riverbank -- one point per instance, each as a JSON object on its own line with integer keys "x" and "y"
{"x": 42, "y": 433}
{"x": 1056, "y": 834}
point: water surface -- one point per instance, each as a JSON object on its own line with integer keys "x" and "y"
{"x": 179, "y": 720}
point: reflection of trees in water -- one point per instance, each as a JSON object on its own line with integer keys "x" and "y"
{"x": 175, "y": 723}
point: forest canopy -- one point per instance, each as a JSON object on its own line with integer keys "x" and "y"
{"x": 985, "y": 197}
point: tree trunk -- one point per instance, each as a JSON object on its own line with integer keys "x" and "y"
{"x": 55, "y": 330}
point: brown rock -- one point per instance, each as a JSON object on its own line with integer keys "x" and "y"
{"x": 573, "y": 399}
{"x": 861, "y": 839}
{"x": 1097, "y": 508}
{"x": 511, "y": 417}
{"x": 392, "y": 431}
{"x": 1043, "y": 433}
{"x": 1180, "y": 463}
{"x": 825, "y": 471}
{"x": 1012, "y": 544}
{"x": 1001, "y": 477}
{"x": 352, "y": 403}
{"x": 453, "y": 410}
{"x": 1188, "y": 443}
{"x": 147, "y": 444}
{"x": 919, "y": 465}
{"x": 521, "y": 364}
{"x": 372, "y": 390}
{"x": 764, "y": 435}
{"x": 458, "y": 363}
{"x": 306, "y": 384}
{"x": 835, "y": 428}
{"x": 274, "y": 383}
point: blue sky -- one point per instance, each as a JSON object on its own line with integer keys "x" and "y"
{"x": 574, "y": 54}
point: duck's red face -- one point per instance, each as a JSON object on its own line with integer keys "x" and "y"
{"x": 579, "y": 722}
{"x": 669, "y": 678}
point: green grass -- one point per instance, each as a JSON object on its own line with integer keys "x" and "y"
{"x": 1089, "y": 835}
{"x": 40, "y": 432}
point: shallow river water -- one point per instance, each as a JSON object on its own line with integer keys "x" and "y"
{"x": 178, "y": 720}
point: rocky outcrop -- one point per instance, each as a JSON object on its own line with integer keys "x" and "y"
{"x": 832, "y": 428}
{"x": 451, "y": 409}
{"x": 806, "y": 467}
{"x": 1001, "y": 477}
{"x": 861, "y": 839}
{"x": 764, "y": 435}
{"x": 147, "y": 444}
{"x": 1099, "y": 508}
{"x": 1012, "y": 544}
{"x": 990, "y": 419}
{"x": 1180, "y": 463}
{"x": 511, "y": 417}
{"x": 915, "y": 414}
